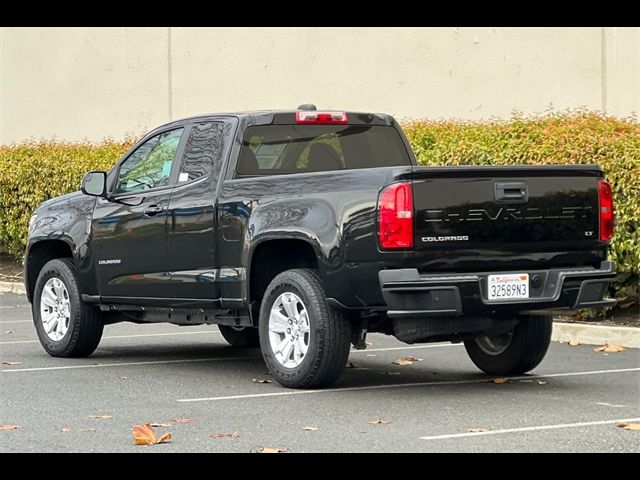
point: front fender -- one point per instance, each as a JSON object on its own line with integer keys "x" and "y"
{"x": 66, "y": 219}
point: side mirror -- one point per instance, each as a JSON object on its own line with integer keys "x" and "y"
{"x": 94, "y": 183}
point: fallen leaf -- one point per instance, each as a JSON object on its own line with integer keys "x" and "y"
{"x": 272, "y": 450}
{"x": 101, "y": 417}
{"x": 477, "y": 430}
{"x": 630, "y": 426}
{"x": 310, "y": 428}
{"x": 222, "y": 435}
{"x": 262, "y": 380}
{"x": 144, "y": 435}
{"x": 379, "y": 421}
{"x": 11, "y": 363}
{"x": 371, "y": 354}
{"x": 66, "y": 430}
{"x": 500, "y": 380}
{"x": 610, "y": 348}
{"x": 87, "y": 429}
{"x": 413, "y": 359}
{"x": 368, "y": 344}
{"x": 155, "y": 425}
{"x": 9, "y": 427}
{"x": 574, "y": 342}
{"x": 185, "y": 420}
{"x": 403, "y": 362}
{"x": 542, "y": 382}
{"x": 350, "y": 365}
{"x": 123, "y": 377}
{"x": 9, "y": 331}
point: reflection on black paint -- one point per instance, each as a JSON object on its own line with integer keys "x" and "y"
{"x": 203, "y": 153}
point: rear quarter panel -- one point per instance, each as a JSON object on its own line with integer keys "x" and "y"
{"x": 335, "y": 212}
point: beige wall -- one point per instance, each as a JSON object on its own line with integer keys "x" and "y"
{"x": 77, "y": 83}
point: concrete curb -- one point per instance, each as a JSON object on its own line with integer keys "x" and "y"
{"x": 562, "y": 331}
{"x": 12, "y": 287}
{"x": 596, "y": 334}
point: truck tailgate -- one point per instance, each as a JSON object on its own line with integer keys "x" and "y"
{"x": 515, "y": 207}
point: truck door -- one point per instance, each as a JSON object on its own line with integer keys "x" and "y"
{"x": 191, "y": 218}
{"x": 129, "y": 232}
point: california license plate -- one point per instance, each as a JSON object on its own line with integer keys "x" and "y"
{"x": 508, "y": 286}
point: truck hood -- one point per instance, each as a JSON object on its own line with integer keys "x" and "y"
{"x": 72, "y": 197}
{"x": 66, "y": 213}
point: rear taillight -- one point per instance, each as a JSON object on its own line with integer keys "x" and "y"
{"x": 395, "y": 216}
{"x": 606, "y": 211}
{"x": 321, "y": 118}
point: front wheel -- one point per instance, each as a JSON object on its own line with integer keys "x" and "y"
{"x": 66, "y": 326}
{"x": 515, "y": 352}
{"x": 304, "y": 342}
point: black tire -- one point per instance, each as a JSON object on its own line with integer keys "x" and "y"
{"x": 329, "y": 334}
{"x": 246, "y": 337}
{"x": 525, "y": 349}
{"x": 85, "y": 322}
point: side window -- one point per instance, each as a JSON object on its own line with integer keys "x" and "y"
{"x": 203, "y": 151}
{"x": 149, "y": 166}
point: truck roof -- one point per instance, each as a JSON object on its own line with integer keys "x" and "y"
{"x": 264, "y": 117}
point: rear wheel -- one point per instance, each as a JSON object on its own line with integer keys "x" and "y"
{"x": 66, "y": 326}
{"x": 240, "y": 337}
{"x": 305, "y": 343}
{"x": 515, "y": 352}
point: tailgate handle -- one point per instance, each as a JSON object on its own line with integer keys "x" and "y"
{"x": 511, "y": 192}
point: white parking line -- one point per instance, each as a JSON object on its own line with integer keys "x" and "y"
{"x": 612, "y": 405}
{"x": 400, "y": 385}
{"x": 16, "y": 342}
{"x": 530, "y": 429}
{"x": 183, "y": 360}
{"x": 127, "y": 364}
{"x": 111, "y": 337}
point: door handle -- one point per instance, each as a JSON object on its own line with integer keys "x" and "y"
{"x": 152, "y": 210}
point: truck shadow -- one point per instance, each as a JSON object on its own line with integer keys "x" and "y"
{"x": 219, "y": 363}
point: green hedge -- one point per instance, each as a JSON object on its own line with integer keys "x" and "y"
{"x": 33, "y": 172}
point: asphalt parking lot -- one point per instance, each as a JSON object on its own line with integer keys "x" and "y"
{"x": 159, "y": 373}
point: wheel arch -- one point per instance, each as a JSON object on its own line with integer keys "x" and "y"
{"x": 273, "y": 256}
{"x": 38, "y": 255}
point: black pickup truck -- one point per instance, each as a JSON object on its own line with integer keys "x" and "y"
{"x": 300, "y": 231}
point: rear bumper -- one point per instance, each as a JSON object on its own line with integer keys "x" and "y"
{"x": 407, "y": 293}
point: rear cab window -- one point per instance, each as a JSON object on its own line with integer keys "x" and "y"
{"x": 288, "y": 149}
